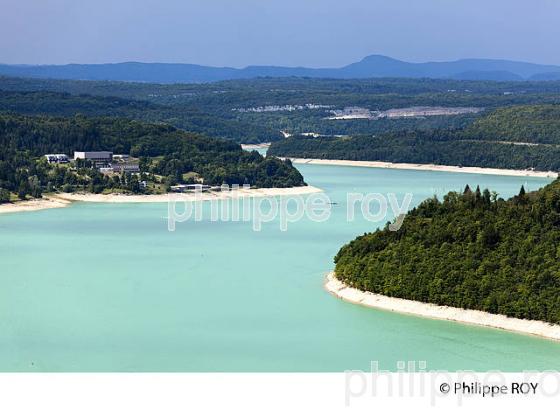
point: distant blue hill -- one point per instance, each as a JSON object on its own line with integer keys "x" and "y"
{"x": 370, "y": 67}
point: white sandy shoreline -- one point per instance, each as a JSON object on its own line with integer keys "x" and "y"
{"x": 64, "y": 199}
{"x": 427, "y": 167}
{"x": 204, "y": 196}
{"x": 428, "y": 310}
{"x": 34, "y": 205}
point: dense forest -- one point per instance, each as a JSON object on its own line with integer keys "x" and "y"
{"x": 470, "y": 250}
{"x": 220, "y": 109}
{"x": 316, "y": 122}
{"x": 269, "y": 90}
{"x": 163, "y": 151}
{"x": 505, "y": 138}
{"x": 188, "y": 118}
{"x": 241, "y": 127}
{"x": 537, "y": 124}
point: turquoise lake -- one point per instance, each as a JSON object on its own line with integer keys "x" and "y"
{"x": 106, "y": 287}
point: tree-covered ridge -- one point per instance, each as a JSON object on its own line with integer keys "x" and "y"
{"x": 422, "y": 147}
{"x": 212, "y": 109}
{"x": 375, "y": 94}
{"x": 163, "y": 151}
{"x": 287, "y": 86}
{"x": 470, "y": 251}
{"x": 216, "y": 116}
{"x": 539, "y": 124}
{"x": 188, "y": 118}
{"x": 520, "y": 137}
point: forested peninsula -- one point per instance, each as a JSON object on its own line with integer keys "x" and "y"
{"x": 470, "y": 250}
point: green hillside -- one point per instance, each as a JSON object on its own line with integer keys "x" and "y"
{"x": 165, "y": 153}
{"x": 469, "y": 250}
{"x": 539, "y": 124}
{"x": 520, "y": 137}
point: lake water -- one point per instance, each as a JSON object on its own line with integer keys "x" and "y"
{"x": 106, "y": 287}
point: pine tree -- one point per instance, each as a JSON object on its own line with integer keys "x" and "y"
{"x": 478, "y": 194}
{"x": 487, "y": 197}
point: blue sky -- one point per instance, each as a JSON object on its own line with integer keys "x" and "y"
{"x": 315, "y": 33}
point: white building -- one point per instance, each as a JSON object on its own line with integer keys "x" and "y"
{"x": 57, "y": 158}
{"x": 133, "y": 168}
{"x": 117, "y": 168}
{"x": 94, "y": 155}
{"x": 100, "y": 159}
{"x": 191, "y": 188}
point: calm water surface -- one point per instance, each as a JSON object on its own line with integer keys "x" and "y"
{"x": 99, "y": 287}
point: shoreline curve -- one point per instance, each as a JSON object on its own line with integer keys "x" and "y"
{"x": 47, "y": 202}
{"x": 427, "y": 167}
{"x": 428, "y": 310}
{"x": 61, "y": 200}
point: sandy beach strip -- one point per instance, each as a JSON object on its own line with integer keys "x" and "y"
{"x": 204, "y": 196}
{"x": 61, "y": 200}
{"x": 427, "y": 167}
{"x": 428, "y": 310}
{"x": 49, "y": 202}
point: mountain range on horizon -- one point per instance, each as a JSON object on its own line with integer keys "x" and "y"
{"x": 374, "y": 66}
